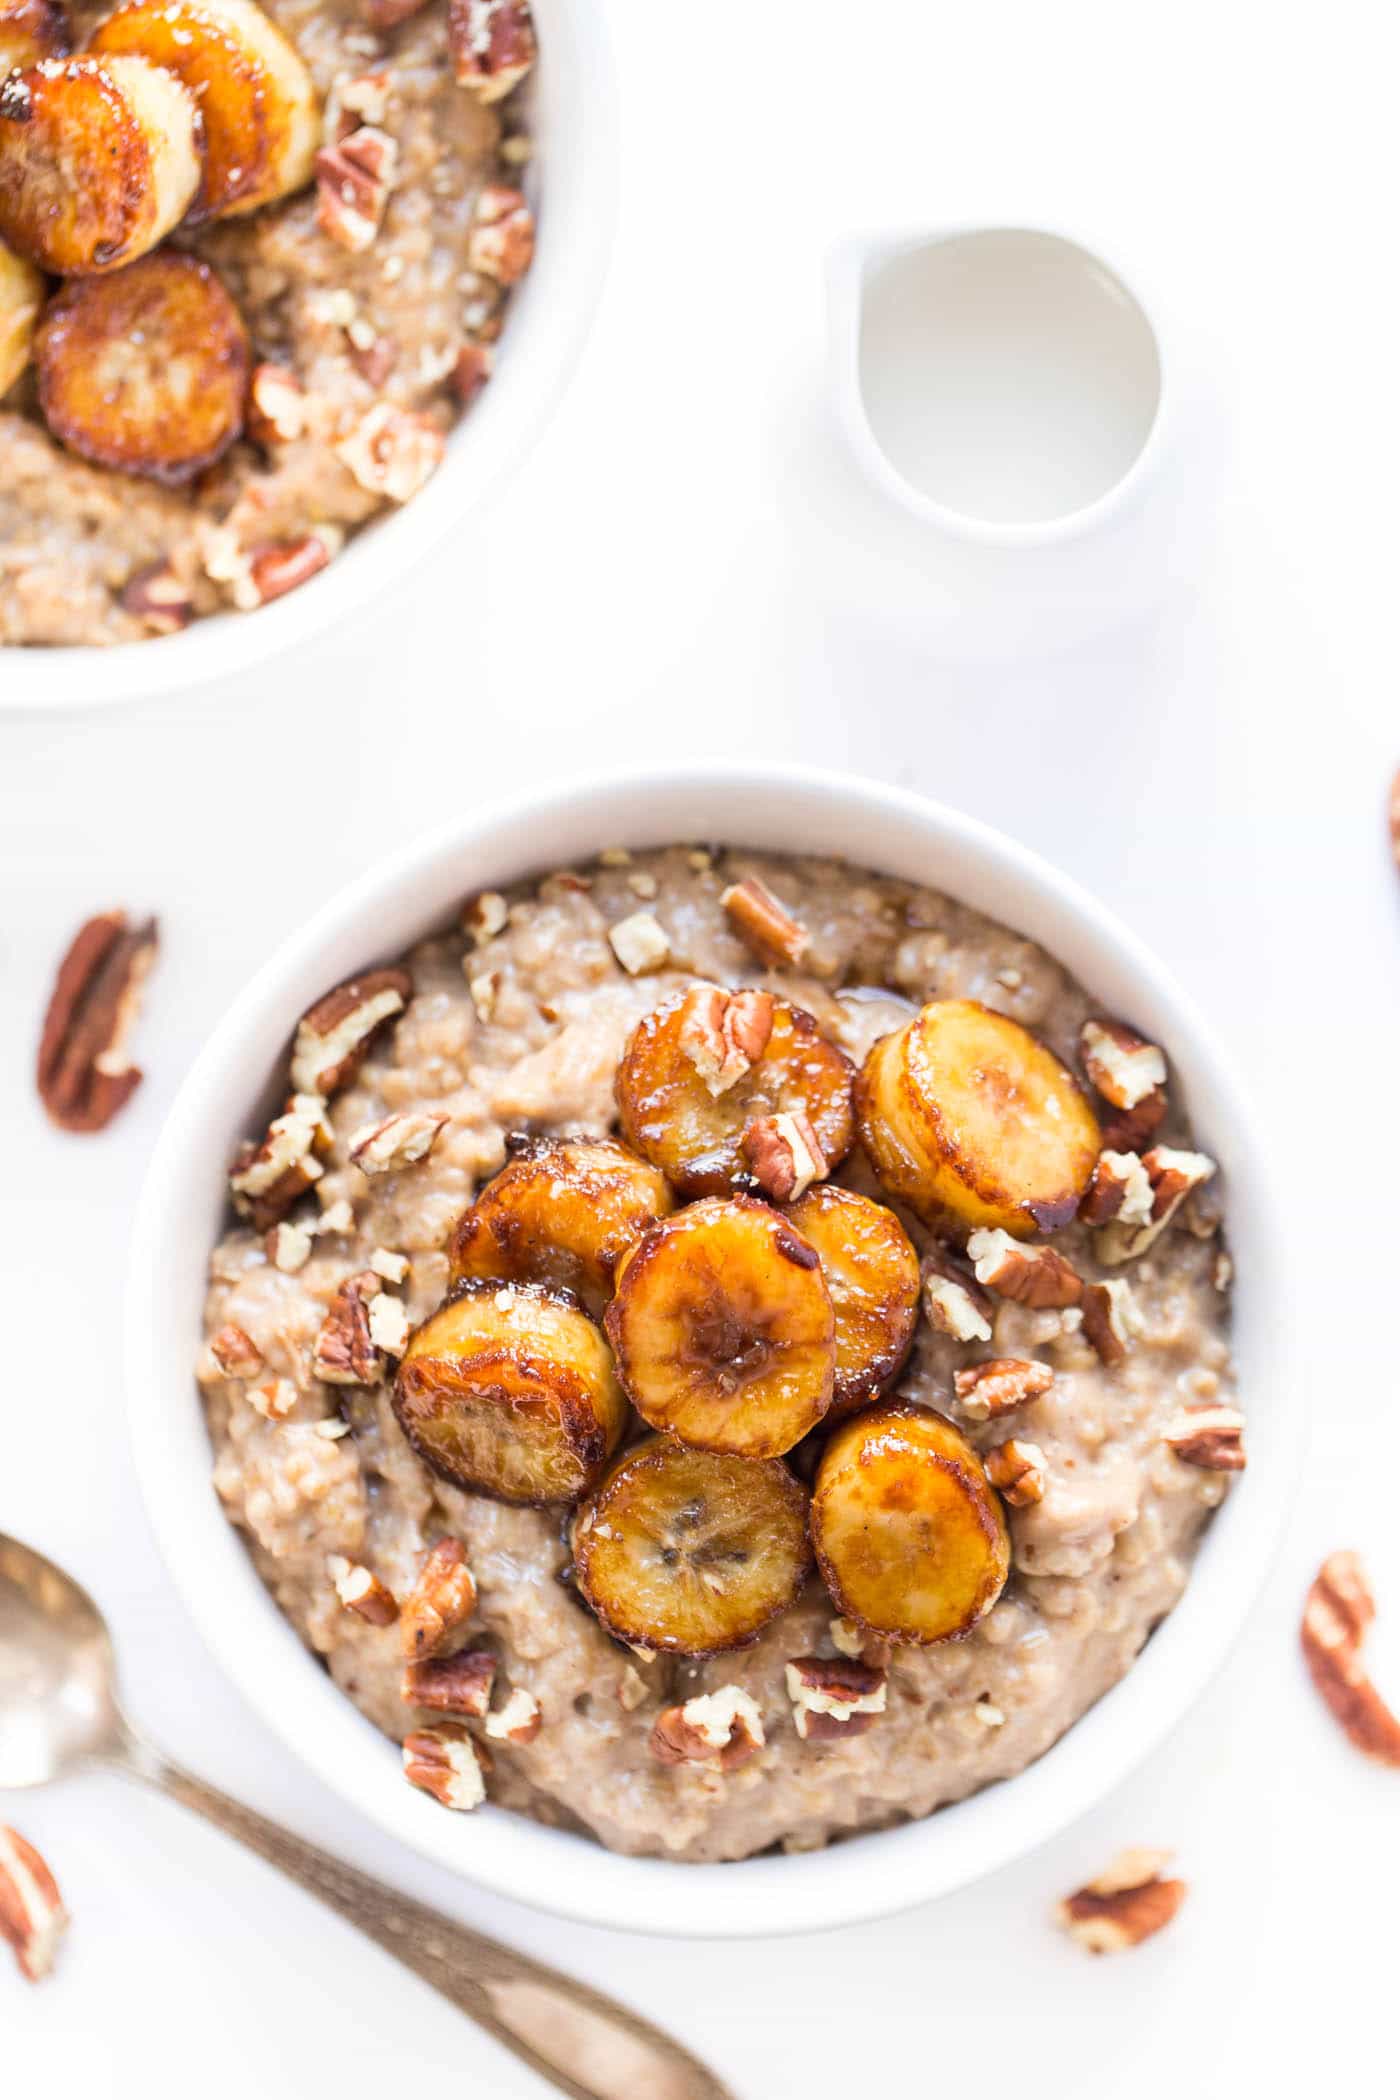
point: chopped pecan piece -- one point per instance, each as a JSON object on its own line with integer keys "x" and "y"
{"x": 1133, "y": 1129}
{"x": 784, "y": 1154}
{"x": 266, "y": 1179}
{"x": 724, "y": 1033}
{"x": 389, "y": 1324}
{"x": 1119, "y": 1189}
{"x": 953, "y": 1302}
{"x": 83, "y": 1074}
{"x": 1394, "y": 818}
{"x": 501, "y": 243}
{"x": 276, "y": 406}
{"x": 1336, "y": 1620}
{"x": 1122, "y": 1065}
{"x": 399, "y": 1141}
{"x": 470, "y": 372}
{"x": 361, "y": 1591}
{"x": 1124, "y": 1905}
{"x": 344, "y": 1351}
{"x": 722, "y": 1728}
{"x": 519, "y": 1721}
{"x": 451, "y": 1684}
{"x": 1017, "y": 1471}
{"x": 333, "y": 1036}
{"x": 353, "y": 180}
{"x": 392, "y": 451}
{"x": 999, "y": 1384}
{"x": 485, "y": 915}
{"x": 858, "y": 1644}
{"x": 640, "y": 944}
{"x": 278, "y": 566}
{"x": 834, "y": 1696}
{"x": 440, "y": 1603}
{"x": 32, "y": 1916}
{"x": 492, "y": 44}
{"x": 235, "y": 1352}
{"x": 1033, "y": 1276}
{"x": 1172, "y": 1175}
{"x": 763, "y": 923}
{"x": 1108, "y": 1319}
{"x": 447, "y": 1764}
{"x": 273, "y": 1399}
{"x": 1211, "y": 1437}
{"x": 156, "y": 595}
{"x": 288, "y": 1247}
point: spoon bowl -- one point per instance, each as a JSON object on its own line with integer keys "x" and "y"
{"x": 57, "y": 1672}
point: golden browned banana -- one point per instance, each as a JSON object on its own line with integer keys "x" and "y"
{"x": 262, "y": 123}
{"x": 723, "y": 1329}
{"x": 691, "y": 1551}
{"x": 562, "y": 1214}
{"x": 146, "y": 370}
{"x": 968, "y": 1118}
{"x": 98, "y": 160}
{"x": 909, "y": 1536}
{"x": 872, "y": 1273}
{"x": 21, "y": 296}
{"x": 708, "y": 1065}
{"x": 510, "y": 1390}
{"x": 31, "y": 30}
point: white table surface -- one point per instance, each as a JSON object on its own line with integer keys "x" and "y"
{"x": 1201, "y": 732}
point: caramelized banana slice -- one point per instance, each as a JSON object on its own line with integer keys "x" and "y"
{"x": 98, "y": 160}
{"x": 561, "y": 1214}
{"x": 968, "y": 1117}
{"x": 723, "y": 1329}
{"x": 262, "y": 125}
{"x": 691, "y": 1551}
{"x": 872, "y": 1273}
{"x": 146, "y": 370}
{"x": 31, "y": 30}
{"x": 510, "y": 1390}
{"x": 21, "y": 296}
{"x": 910, "y": 1537}
{"x": 707, "y": 1065}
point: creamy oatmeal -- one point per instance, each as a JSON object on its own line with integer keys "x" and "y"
{"x": 1104, "y": 1424}
{"x": 370, "y": 301}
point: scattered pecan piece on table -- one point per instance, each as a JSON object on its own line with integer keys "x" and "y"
{"x": 1123, "y": 1906}
{"x": 1336, "y": 1620}
{"x": 84, "y": 1077}
{"x": 32, "y": 1916}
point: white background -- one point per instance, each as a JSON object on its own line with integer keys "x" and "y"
{"x": 1199, "y": 723}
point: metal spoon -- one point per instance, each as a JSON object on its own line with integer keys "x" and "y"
{"x": 58, "y": 1711}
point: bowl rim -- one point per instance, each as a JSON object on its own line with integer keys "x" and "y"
{"x": 576, "y": 166}
{"x": 873, "y": 1874}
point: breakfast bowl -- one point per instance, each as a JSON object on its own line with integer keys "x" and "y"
{"x": 567, "y": 104}
{"x": 232, "y": 1090}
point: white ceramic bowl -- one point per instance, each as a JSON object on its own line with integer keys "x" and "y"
{"x": 572, "y": 180}
{"x": 181, "y": 1215}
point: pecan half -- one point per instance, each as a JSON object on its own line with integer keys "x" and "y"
{"x": 784, "y": 1155}
{"x": 344, "y": 1352}
{"x": 392, "y": 451}
{"x": 156, "y": 595}
{"x": 1033, "y": 1276}
{"x": 953, "y": 1302}
{"x": 235, "y": 1352}
{"x": 266, "y": 1179}
{"x": 353, "y": 180}
{"x": 451, "y": 1684}
{"x": 399, "y": 1141}
{"x": 1121, "y": 1065}
{"x": 722, "y": 1728}
{"x": 440, "y": 1603}
{"x": 32, "y": 1916}
{"x": 501, "y": 243}
{"x": 1336, "y": 1620}
{"x": 492, "y": 44}
{"x": 1210, "y": 1437}
{"x": 519, "y": 1721}
{"x": 333, "y": 1036}
{"x": 763, "y": 923}
{"x": 1124, "y": 1905}
{"x": 834, "y": 1696}
{"x": 1017, "y": 1471}
{"x": 1108, "y": 1319}
{"x": 724, "y": 1033}
{"x": 83, "y": 1074}
{"x": 1172, "y": 1176}
{"x": 447, "y": 1764}
{"x": 999, "y": 1384}
{"x": 1119, "y": 1188}
{"x": 361, "y": 1591}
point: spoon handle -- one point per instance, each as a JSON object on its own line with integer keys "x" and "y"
{"x": 585, "y": 2044}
